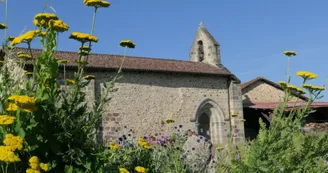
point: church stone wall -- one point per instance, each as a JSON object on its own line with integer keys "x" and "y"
{"x": 145, "y": 99}
{"x": 262, "y": 92}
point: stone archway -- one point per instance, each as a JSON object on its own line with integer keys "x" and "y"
{"x": 210, "y": 122}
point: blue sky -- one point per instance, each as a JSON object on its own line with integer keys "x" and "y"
{"x": 252, "y": 34}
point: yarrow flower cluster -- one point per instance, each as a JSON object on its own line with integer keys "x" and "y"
{"x": 97, "y": 3}
{"x": 26, "y": 103}
{"x": 140, "y": 169}
{"x": 83, "y": 37}
{"x": 127, "y": 44}
{"x": 89, "y": 77}
{"x": 24, "y": 56}
{"x": 114, "y": 146}
{"x": 58, "y": 25}
{"x": 25, "y": 38}
{"x": 3, "y": 26}
{"x": 35, "y": 166}
{"x": 123, "y": 170}
{"x": 144, "y": 144}
{"x": 42, "y": 19}
{"x": 71, "y": 81}
{"x": 289, "y": 53}
{"x": 7, "y": 155}
{"x": 7, "y": 120}
{"x": 306, "y": 75}
{"x": 11, "y": 144}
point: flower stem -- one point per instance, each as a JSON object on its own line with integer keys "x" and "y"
{"x": 288, "y": 69}
{"x": 6, "y": 19}
{"x": 92, "y": 29}
{"x": 93, "y": 21}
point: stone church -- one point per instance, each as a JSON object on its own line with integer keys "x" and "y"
{"x": 200, "y": 94}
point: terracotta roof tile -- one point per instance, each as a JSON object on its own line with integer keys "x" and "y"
{"x": 106, "y": 61}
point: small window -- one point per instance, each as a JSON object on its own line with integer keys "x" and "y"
{"x": 200, "y": 51}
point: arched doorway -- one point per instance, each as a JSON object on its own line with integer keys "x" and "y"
{"x": 210, "y": 122}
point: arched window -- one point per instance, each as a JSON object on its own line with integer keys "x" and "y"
{"x": 200, "y": 51}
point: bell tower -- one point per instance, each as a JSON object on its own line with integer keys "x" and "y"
{"x": 205, "y": 48}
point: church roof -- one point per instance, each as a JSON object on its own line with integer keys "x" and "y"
{"x": 132, "y": 63}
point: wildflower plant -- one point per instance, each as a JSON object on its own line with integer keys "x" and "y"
{"x": 285, "y": 146}
{"x": 44, "y": 127}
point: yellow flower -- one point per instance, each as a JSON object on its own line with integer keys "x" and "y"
{"x": 169, "y": 120}
{"x": 71, "y": 81}
{"x": 44, "y": 166}
{"x": 26, "y": 37}
{"x": 12, "y": 107}
{"x": 84, "y": 53}
{"x": 140, "y": 169}
{"x": 29, "y": 170}
{"x": 6, "y": 120}
{"x": 42, "y": 34}
{"x": 58, "y": 25}
{"x": 26, "y": 103}
{"x": 289, "y": 53}
{"x": 7, "y": 155}
{"x": 83, "y": 37}
{"x": 306, "y": 75}
{"x": 114, "y": 146}
{"x": 127, "y": 44}
{"x": 292, "y": 87}
{"x": 283, "y": 84}
{"x": 85, "y": 48}
{"x": 123, "y": 170}
{"x": 34, "y": 162}
{"x": 144, "y": 144}
{"x": 24, "y": 56}
{"x": 63, "y": 61}
{"x": 3, "y": 26}
{"x": 81, "y": 62}
{"x": 97, "y": 3}
{"x": 300, "y": 90}
{"x": 317, "y": 88}
{"x": 234, "y": 115}
{"x": 88, "y": 77}
{"x": 42, "y": 19}
{"x": 13, "y": 142}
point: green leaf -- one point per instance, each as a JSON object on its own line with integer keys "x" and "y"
{"x": 68, "y": 169}
{"x": 87, "y": 165}
{"x": 18, "y": 126}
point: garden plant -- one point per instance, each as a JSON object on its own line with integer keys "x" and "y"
{"x": 48, "y": 125}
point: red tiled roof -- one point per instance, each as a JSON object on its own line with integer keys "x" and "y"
{"x": 106, "y": 61}
{"x": 272, "y": 105}
{"x": 251, "y": 82}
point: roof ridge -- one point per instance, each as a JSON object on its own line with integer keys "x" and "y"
{"x": 127, "y": 56}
